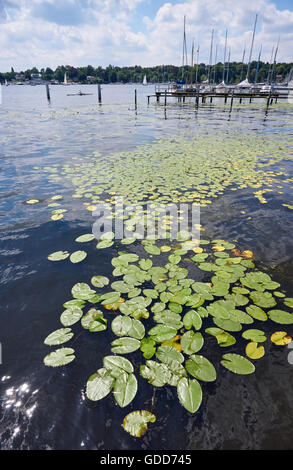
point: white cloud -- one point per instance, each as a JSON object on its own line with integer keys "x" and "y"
{"x": 100, "y": 32}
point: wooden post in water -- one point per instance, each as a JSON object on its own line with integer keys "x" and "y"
{"x": 197, "y": 96}
{"x": 48, "y": 92}
{"x": 135, "y": 99}
{"x": 232, "y": 99}
{"x": 99, "y": 93}
{"x": 226, "y": 97}
{"x": 148, "y": 100}
{"x": 165, "y": 97}
{"x": 211, "y": 99}
{"x": 240, "y": 101}
{"x": 269, "y": 98}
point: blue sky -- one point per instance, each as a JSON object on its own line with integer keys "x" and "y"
{"x": 127, "y": 32}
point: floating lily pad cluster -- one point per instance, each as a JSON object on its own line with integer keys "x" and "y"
{"x": 162, "y": 308}
{"x": 194, "y": 170}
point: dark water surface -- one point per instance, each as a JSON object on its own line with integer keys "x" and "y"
{"x": 46, "y": 408}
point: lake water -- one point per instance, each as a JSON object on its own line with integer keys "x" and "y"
{"x": 46, "y": 408}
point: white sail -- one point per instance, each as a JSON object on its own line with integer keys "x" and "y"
{"x": 65, "y": 79}
{"x": 244, "y": 84}
{"x": 144, "y": 80}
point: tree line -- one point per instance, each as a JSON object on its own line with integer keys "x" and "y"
{"x": 232, "y": 73}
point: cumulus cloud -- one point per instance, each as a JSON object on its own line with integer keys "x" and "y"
{"x": 98, "y": 32}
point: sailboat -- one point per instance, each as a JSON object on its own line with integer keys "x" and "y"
{"x": 144, "y": 80}
{"x": 65, "y": 79}
{"x": 6, "y": 83}
{"x": 245, "y": 86}
{"x": 222, "y": 87}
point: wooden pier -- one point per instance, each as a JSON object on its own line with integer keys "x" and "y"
{"x": 209, "y": 96}
{"x": 212, "y": 93}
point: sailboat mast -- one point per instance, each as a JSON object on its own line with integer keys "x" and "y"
{"x": 192, "y": 54}
{"x": 257, "y": 67}
{"x": 270, "y": 66}
{"x": 184, "y": 52}
{"x": 211, "y": 56}
{"x": 225, "y": 55}
{"x": 228, "y": 66}
{"x": 197, "y": 59}
{"x": 251, "y": 48}
{"x": 275, "y": 58}
{"x": 216, "y": 57}
{"x": 242, "y": 67}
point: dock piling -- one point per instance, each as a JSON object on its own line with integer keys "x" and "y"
{"x": 165, "y": 97}
{"x": 269, "y": 99}
{"x": 48, "y": 92}
{"x": 135, "y": 99}
{"x": 99, "y": 94}
{"x": 197, "y": 96}
{"x": 232, "y": 99}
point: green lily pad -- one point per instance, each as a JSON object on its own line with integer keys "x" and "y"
{"x": 125, "y": 389}
{"x": 288, "y": 302}
{"x": 99, "y": 281}
{"x": 156, "y": 373}
{"x": 253, "y": 351}
{"x": 99, "y": 385}
{"x": 121, "y": 325}
{"x": 145, "y": 264}
{"x": 71, "y": 315}
{"x": 59, "y": 357}
{"x": 94, "y": 321}
{"x": 59, "y": 337}
{"x": 228, "y": 324}
{"x": 58, "y": 256}
{"x": 104, "y": 244}
{"x": 256, "y": 312}
{"x": 192, "y": 319}
{"x": 136, "y": 422}
{"x": 191, "y": 342}
{"x": 117, "y": 363}
{"x": 237, "y": 364}
{"x": 152, "y": 249}
{"x": 87, "y": 237}
{"x": 74, "y": 303}
{"x": 162, "y": 333}
{"x": 254, "y": 335}
{"x": 189, "y": 394}
{"x": 281, "y": 316}
{"x": 78, "y": 256}
{"x": 125, "y": 345}
{"x": 201, "y": 368}
{"x": 169, "y": 354}
{"x": 82, "y": 291}
{"x": 147, "y": 347}
{"x": 263, "y": 299}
